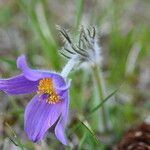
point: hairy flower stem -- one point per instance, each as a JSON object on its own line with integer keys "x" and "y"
{"x": 101, "y": 91}
{"x": 68, "y": 67}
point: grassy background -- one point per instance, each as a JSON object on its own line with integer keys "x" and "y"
{"x": 29, "y": 27}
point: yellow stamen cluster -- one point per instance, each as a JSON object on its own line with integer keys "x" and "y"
{"x": 46, "y": 87}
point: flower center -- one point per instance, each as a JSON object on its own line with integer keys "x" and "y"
{"x": 46, "y": 87}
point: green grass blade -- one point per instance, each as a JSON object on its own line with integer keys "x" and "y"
{"x": 82, "y": 141}
{"x": 47, "y": 41}
{"x": 79, "y": 12}
{"x": 12, "y": 63}
{"x": 103, "y": 101}
{"x": 95, "y": 138}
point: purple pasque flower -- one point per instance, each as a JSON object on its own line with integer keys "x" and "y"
{"x": 50, "y": 104}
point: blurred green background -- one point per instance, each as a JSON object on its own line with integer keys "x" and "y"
{"x": 29, "y": 27}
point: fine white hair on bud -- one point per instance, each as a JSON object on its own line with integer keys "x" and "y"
{"x": 85, "y": 49}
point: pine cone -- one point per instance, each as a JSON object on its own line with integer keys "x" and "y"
{"x": 136, "y": 139}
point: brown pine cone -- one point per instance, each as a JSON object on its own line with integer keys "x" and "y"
{"x": 136, "y": 139}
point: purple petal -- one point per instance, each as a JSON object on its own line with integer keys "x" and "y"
{"x": 28, "y": 73}
{"x": 64, "y": 87}
{"x": 34, "y": 75}
{"x": 60, "y": 133}
{"x": 18, "y": 85}
{"x": 40, "y": 116}
{"x": 60, "y": 127}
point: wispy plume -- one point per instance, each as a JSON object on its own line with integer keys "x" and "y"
{"x": 84, "y": 49}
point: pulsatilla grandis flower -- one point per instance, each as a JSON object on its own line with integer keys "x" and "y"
{"x": 48, "y": 107}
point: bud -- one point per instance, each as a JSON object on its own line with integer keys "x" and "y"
{"x": 86, "y": 50}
